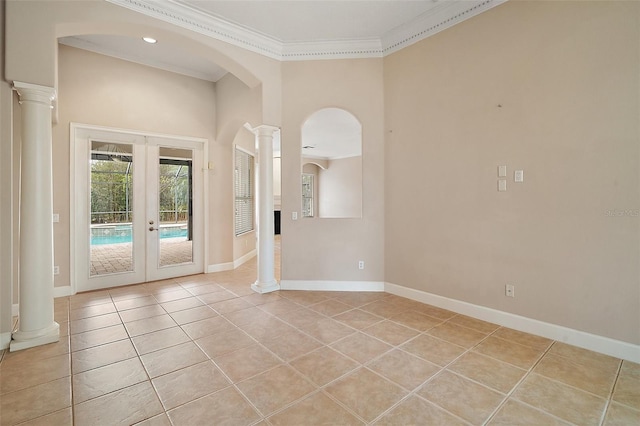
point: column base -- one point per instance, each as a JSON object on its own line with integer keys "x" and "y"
{"x": 29, "y": 339}
{"x": 265, "y": 287}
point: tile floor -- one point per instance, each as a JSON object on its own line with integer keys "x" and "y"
{"x": 206, "y": 350}
{"x": 114, "y": 258}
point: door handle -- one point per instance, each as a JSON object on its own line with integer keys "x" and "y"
{"x": 151, "y": 222}
{"x": 151, "y": 228}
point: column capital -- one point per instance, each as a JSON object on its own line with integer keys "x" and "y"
{"x": 34, "y": 92}
{"x": 262, "y": 129}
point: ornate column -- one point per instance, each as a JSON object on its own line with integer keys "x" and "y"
{"x": 266, "y": 274}
{"x": 36, "y": 325}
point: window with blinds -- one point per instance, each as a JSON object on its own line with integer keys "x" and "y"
{"x": 244, "y": 192}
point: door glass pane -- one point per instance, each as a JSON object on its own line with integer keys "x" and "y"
{"x": 111, "y": 211}
{"x": 175, "y": 207}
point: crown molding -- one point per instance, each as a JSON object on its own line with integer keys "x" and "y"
{"x": 441, "y": 17}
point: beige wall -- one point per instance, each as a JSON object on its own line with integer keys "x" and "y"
{"x": 104, "y": 91}
{"x": 314, "y": 248}
{"x": 340, "y": 189}
{"x": 551, "y": 88}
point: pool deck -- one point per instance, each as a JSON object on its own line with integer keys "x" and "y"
{"x": 114, "y": 258}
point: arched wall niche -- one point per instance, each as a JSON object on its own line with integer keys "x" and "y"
{"x": 331, "y": 139}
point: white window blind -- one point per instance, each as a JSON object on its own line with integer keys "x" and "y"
{"x": 244, "y": 192}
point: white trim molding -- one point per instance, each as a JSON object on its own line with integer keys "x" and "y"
{"x": 441, "y": 17}
{"x": 228, "y": 266}
{"x": 605, "y": 345}
{"x": 15, "y": 309}
{"x": 5, "y": 340}
{"x": 63, "y": 291}
{"x": 377, "y": 286}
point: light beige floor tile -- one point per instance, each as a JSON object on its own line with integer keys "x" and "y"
{"x": 170, "y": 296}
{"x": 383, "y": 309}
{"x": 194, "y": 314}
{"x": 100, "y": 356}
{"x": 159, "y": 420}
{"x": 128, "y": 292}
{"x": 251, "y": 315}
{"x": 302, "y": 318}
{"x": 64, "y": 328}
{"x": 138, "y": 302}
{"x": 36, "y": 401}
{"x": 157, "y": 340}
{"x": 16, "y": 376}
{"x": 621, "y": 415}
{"x": 218, "y": 296}
{"x": 182, "y": 304}
{"x": 379, "y": 396}
{"x": 92, "y": 323}
{"x": 526, "y": 339}
{"x": 225, "y": 407}
{"x": 149, "y": 325}
{"x": 433, "y": 311}
{"x": 488, "y": 371}
{"x": 513, "y": 353}
{"x": 91, "y": 311}
{"x": 359, "y": 298}
{"x": 207, "y": 327}
{"x": 137, "y": 314}
{"x": 82, "y": 300}
{"x": 260, "y": 299}
{"x": 327, "y": 330}
{"x": 279, "y": 307}
{"x": 317, "y": 409}
{"x": 563, "y": 401}
{"x": 357, "y": 319}
{"x": 586, "y": 357}
{"x": 225, "y": 342}
{"x": 404, "y": 369}
{"x": 627, "y": 390}
{"x": 99, "y": 381}
{"x": 416, "y": 320}
{"x": 125, "y": 406}
{"x": 171, "y": 359}
{"x": 416, "y": 411}
{"x": 566, "y": 370}
{"x": 98, "y": 337}
{"x": 474, "y": 324}
{"x": 324, "y": 365}
{"x": 204, "y": 289}
{"x": 630, "y": 369}
{"x": 433, "y": 349}
{"x": 330, "y": 307}
{"x": 304, "y": 298}
{"x": 59, "y": 418}
{"x": 231, "y": 305}
{"x": 246, "y": 362}
{"x": 516, "y": 413}
{"x": 461, "y": 397}
{"x": 190, "y": 383}
{"x": 457, "y": 335}
{"x": 274, "y": 389}
{"x": 361, "y": 347}
{"x": 291, "y": 344}
{"x": 390, "y": 332}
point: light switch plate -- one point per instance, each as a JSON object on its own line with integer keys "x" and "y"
{"x": 502, "y": 171}
{"x": 518, "y": 176}
{"x": 502, "y": 185}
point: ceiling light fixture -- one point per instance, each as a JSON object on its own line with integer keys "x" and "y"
{"x": 150, "y": 40}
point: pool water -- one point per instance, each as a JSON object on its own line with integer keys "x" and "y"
{"x": 122, "y": 234}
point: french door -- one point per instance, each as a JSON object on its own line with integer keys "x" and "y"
{"x": 138, "y": 207}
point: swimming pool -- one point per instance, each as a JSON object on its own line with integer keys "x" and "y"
{"x": 121, "y": 233}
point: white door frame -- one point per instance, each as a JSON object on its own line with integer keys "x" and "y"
{"x": 79, "y": 256}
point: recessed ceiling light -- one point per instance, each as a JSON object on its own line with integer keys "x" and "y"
{"x": 150, "y": 40}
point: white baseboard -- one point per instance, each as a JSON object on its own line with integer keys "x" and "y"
{"x": 62, "y": 291}
{"x": 228, "y": 266}
{"x": 332, "y": 285}
{"x": 605, "y": 345}
{"x": 15, "y": 309}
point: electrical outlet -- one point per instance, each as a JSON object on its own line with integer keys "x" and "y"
{"x": 56, "y": 270}
{"x": 361, "y": 264}
{"x": 510, "y": 290}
